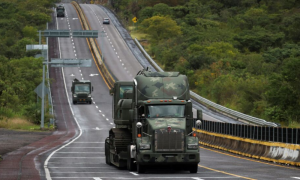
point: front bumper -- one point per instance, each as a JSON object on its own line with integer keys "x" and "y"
{"x": 168, "y": 158}
{"x": 80, "y": 99}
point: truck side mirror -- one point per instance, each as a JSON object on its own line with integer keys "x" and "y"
{"x": 111, "y": 91}
{"x": 199, "y": 114}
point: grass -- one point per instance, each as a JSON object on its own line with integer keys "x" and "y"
{"x": 21, "y": 124}
{"x": 136, "y": 34}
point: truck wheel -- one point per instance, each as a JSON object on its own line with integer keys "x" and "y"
{"x": 90, "y": 102}
{"x": 194, "y": 168}
{"x": 74, "y": 102}
{"x": 131, "y": 166}
{"x": 140, "y": 168}
{"x": 107, "y": 154}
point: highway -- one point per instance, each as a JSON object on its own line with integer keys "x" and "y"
{"x": 83, "y": 157}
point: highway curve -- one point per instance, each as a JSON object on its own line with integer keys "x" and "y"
{"x": 83, "y": 157}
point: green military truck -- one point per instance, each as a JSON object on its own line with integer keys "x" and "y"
{"x": 81, "y": 91}
{"x": 153, "y": 123}
{"x": 60, "y": 11}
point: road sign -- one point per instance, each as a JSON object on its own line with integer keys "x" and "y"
{"x": 38, "y": 90}
{"x": 70, "y": 62}
{"x": 68, "y": 33}
{"x": 134, "y": 19}
{"x": 56, "y": 33}
{"x": 85, "y": 33}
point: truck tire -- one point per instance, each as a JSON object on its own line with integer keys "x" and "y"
{"x": 131, "y": 166}
{"x": 140, "y": 168}
{"x": 194, "y": 168}
{"x": 74, "y": 102}
{"x": 107, "y": 154}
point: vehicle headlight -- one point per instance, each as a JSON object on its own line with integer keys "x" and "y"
{"x": 74, "y": 95}
{"x": 192, "y": 146}
{"x": 145, "y": 146}
{"x": 89, "y": 95}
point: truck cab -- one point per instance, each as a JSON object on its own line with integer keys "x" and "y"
{"x": 81, "y": 91}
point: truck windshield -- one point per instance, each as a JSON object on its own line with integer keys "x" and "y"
{"x": 158, "y": 111}
{"x": 82, "y": 88}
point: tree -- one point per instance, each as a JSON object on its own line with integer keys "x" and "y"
{"x": 161, "y": 28}
{"x": 161, "y": 9}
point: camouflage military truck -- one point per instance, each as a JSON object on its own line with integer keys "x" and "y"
{"x": 60, "y": 11}
{"x": 153, "y": 123}
{"x": 81, "y": 91}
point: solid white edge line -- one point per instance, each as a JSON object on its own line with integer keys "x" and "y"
{"x": 47, "y": 172}
{"x": 134, "y": 173}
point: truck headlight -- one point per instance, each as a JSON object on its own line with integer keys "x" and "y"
{"x": 192, "y": 146}
{"x": 145, "y": 146}
{"x": 74, "y": 95}
{"x": 89, "y": 95}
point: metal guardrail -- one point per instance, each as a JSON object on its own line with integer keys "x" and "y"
{"x": 261, "y": 133}
{"x": 196, "y": 97}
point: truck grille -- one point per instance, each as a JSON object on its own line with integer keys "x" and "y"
{"x": 169, "y": 141}
{"x": 82, "y": 95}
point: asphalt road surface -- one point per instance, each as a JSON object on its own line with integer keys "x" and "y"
{"x": 83, "y": 157}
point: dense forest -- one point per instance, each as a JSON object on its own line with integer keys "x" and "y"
{"x": 20, "y": 72}
{"x": 243, "y": 54}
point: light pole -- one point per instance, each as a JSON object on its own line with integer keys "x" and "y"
{"x": 102, "y": 44}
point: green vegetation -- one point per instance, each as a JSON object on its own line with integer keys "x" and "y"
{"x": 20, "y": 72}
{"x": 243, "y": 54}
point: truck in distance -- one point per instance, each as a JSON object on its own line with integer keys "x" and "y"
{"x": 153, "y": 123}
{"x": 60, "y": 11}
{"x": 81, "y": 91}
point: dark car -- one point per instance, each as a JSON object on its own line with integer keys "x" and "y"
{"x": 106, "y": 21}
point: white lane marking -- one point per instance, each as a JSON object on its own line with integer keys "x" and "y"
{"x": 96, "y": 178}
{"x": 81, "y": 147}
{"x": 118, "y": 57}
{"x": 106, "y": 119}
{"x": 97, "y": 128}
{"x": 82, "y": 167}
{"x": 296, "y": 177}
{"x": 197, "y": 178}
{"x": 141, "y": 177}
{"x": 81, "y": 152}
{"x": 134, "y": 173}
{"x": 97, "y": 107}
{"x": 120, "y": 60}
{"x": 116, "y": 53}
{"x": 89, "y": 142}
{"x": 76, "y": 157}
{"x": 100, "y": 111}
{"x": 47, "y": 172}
{"x": 103, "y": 115}
{"x": 111, "y": 123}
{"x": 75, "y": 54}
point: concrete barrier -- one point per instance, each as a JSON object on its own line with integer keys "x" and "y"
{"x": 96, "y": 51}
{"x": 270, "y": 151}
